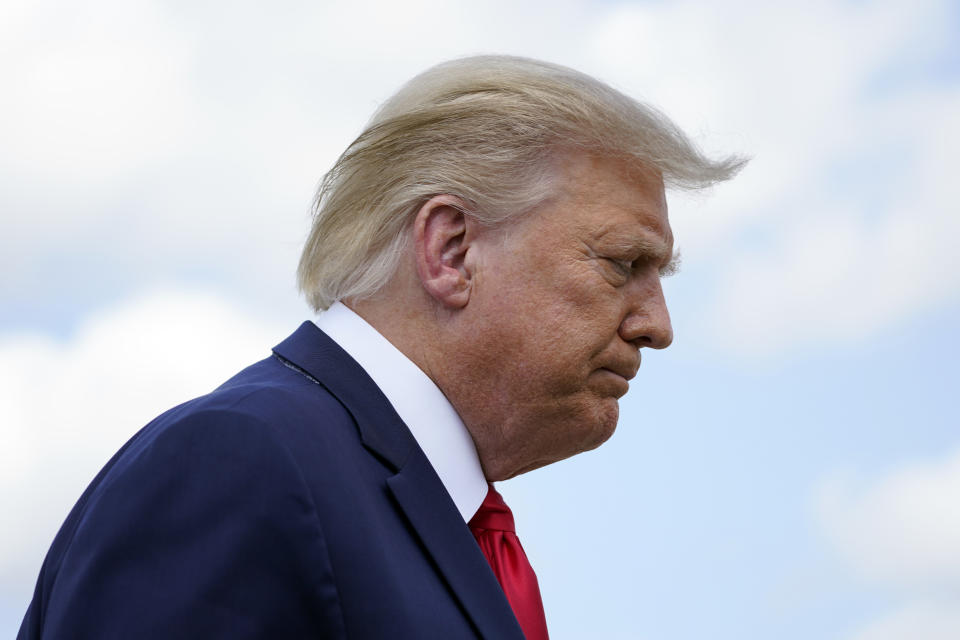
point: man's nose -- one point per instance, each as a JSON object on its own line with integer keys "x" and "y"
{"x": 647, "y": 323}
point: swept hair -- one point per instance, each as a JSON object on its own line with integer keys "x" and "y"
{"x": 483, "y": 129}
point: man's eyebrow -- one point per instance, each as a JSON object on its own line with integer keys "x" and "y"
{"x": 646, "y": 250}
{"x": 672, "y": 267}
{"x": 657, "y": 251}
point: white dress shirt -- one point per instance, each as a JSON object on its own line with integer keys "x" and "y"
{"x": 418, "y": 401}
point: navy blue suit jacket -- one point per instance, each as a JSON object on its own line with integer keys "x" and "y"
{"x": 291, "y": 502}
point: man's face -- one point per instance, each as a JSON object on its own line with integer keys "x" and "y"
{"x": 561, "y": 308}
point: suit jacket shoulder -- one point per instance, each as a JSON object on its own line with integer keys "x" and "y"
{"x": 290, "y": 502}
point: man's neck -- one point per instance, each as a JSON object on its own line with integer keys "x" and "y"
{"x": 432, "y": 420}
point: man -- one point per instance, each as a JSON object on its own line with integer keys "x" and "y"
{"x": 487, "y": 256}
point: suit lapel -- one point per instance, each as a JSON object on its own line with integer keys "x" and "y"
{"x": 418, "y": 491}
{"x": 422, "y": 497}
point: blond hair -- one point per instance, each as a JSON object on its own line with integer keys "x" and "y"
{"x": 482, "y": 129}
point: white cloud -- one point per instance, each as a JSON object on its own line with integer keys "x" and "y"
{"x": 844, "y": 265}
{"x": 94, "y": 95}
{"x": 188, "y": 135}
{"x": 902, "y": 529}
{"x": 851, "y": 186}
{"x": 924, "y": 620}
{"x": 193, "y": 136}
{"x": 66, "y": 407}
{"x": 901, "y": 534}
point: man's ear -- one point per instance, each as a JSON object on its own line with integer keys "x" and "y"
{"x": 442, "y": 235}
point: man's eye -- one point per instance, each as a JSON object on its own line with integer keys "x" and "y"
{"x": 622, "y": 266}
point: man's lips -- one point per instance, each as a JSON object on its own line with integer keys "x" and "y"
{"x": 619, "y": 373}
{"x": 624, "y": 369}
{"x": 617, "y": 381}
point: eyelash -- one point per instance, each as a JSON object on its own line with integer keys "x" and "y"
{"x": 624, "y": 266}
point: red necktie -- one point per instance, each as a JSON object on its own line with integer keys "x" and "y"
{"x": 493, "y": 528}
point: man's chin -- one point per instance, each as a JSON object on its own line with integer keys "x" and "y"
{"x": 604, "y": 433}
{"x": 606, "y": 422}
{"x": 598, "y": 428}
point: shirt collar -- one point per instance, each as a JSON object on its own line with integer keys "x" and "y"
{"x": 418, "y": 401}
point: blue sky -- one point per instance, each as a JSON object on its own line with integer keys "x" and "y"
{"x": 789, "y": 468}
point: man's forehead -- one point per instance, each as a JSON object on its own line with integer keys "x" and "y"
{"x": 602, "y": 198}
{"x": 627, "y": 205}
{"x": 630, "y": 186}
{"x": 634, "y": 234}
{"x": 583, "y": 173}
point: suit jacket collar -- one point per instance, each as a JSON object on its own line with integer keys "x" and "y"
{"x": 381, "y": 429}
{"x": 415, "y": 486}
